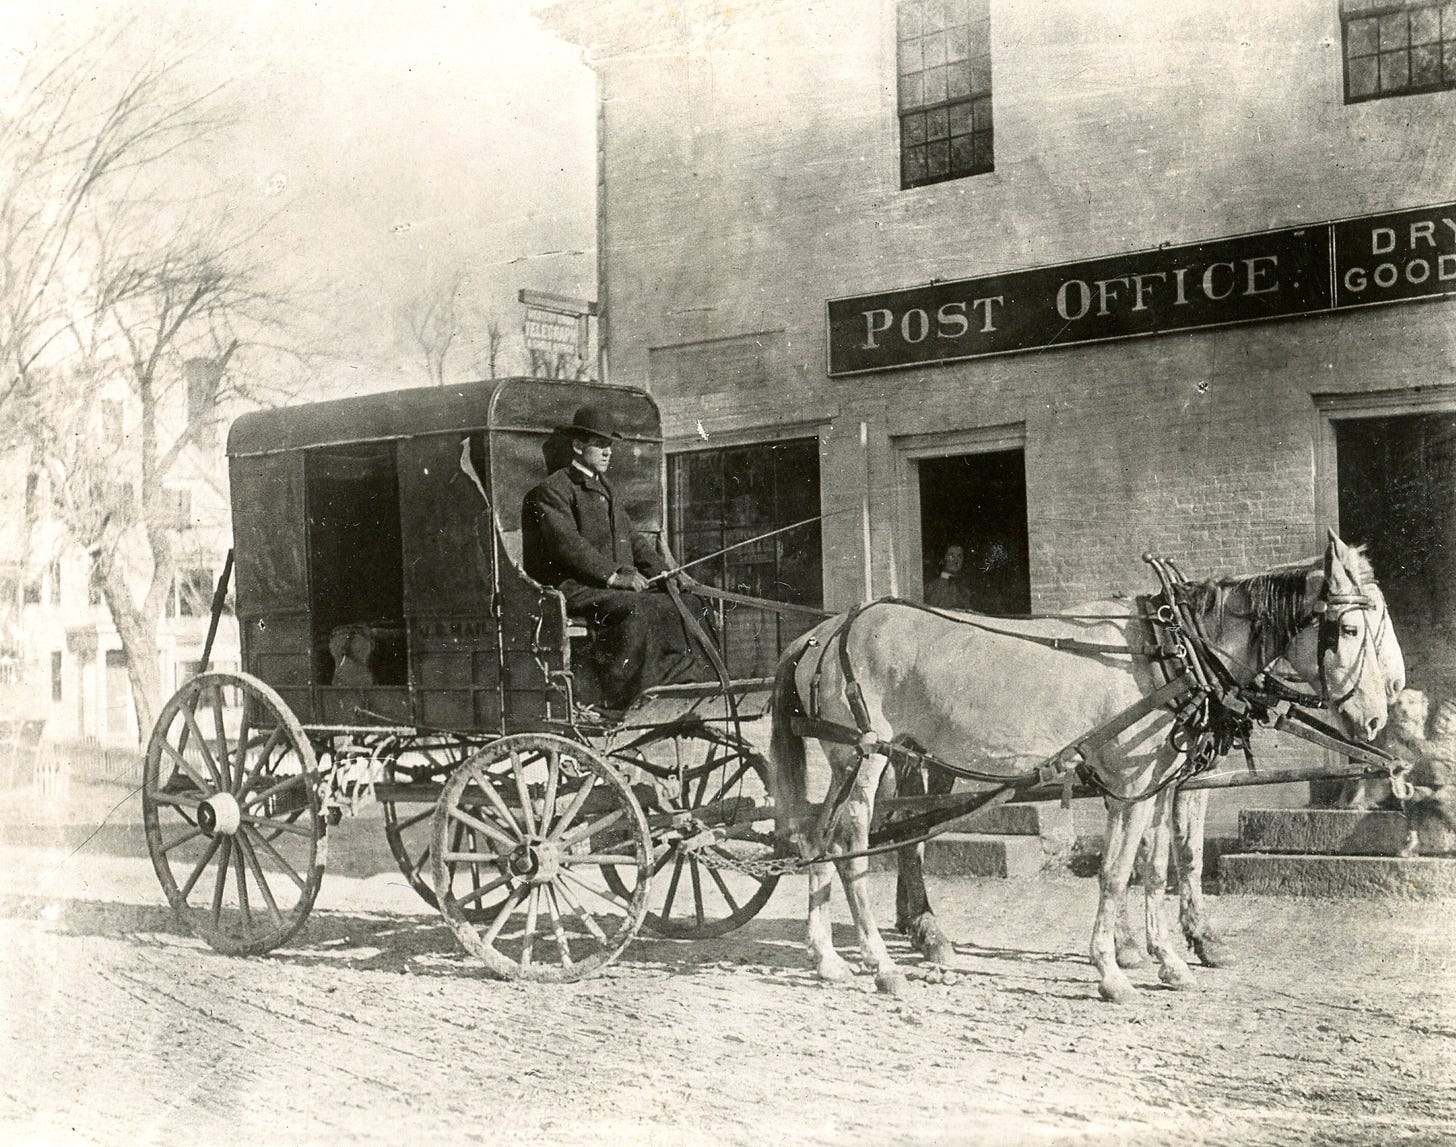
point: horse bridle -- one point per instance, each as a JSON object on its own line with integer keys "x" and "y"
{"x": 1327, "y": 613}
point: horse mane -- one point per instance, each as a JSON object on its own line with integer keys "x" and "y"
{"x": 1272, "y": 600}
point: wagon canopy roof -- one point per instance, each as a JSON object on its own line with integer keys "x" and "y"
{"x": 532, "y": 405}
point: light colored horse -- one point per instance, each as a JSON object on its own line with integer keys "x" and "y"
{"x": 981, "y": 694}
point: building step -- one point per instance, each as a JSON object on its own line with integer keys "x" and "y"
{"x": 1274, "y": 874}
{"x": 1342, "y": 832}
{"x": 977, "y": 854}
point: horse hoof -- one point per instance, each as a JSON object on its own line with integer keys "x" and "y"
{"x": 890, "y": 983}
{"x": 1131, "y": 956}
{"x": 1177, "y": 977}
{"x": 938, "y": 950}
{"x": 1212, "y": 953}
{"x": 1119, "y": 991}
{"x": 834, "y": 971}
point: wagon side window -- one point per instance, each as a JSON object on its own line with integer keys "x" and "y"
{"x": 356, "y": 568}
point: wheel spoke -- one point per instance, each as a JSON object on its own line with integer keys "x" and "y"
{"x": 496, "y": 803}
{"x": 553, "y": 776}
{"x": 198, "y": 870}
{"x": 255, "y": 771}
{"x": 224, "y": 750}
{"x": 190, "y": 834}
{"x": 220, "y": 884}
{"x": 176, "y": 800}
{"x": 530, "y": 939}
{"x": 267, "y": 846}
{"x": 280, "y": 825}
{"x": 293, "y": 780}
{"x": 523, "y": 793}
{"x": 563, "y": 946}
{"x": 480, "y": 892}
{"x": 570, "y": 860}
{"x": 411, "y": 821}
{"x": 672, "y": 886}
{"x": 733, "y": 905}
{"x": 241, "y": 754}
{"x": 697, "y": 889}
{"x": 573, "y": 808}
{"x": 186, "y": 766}
{"x": 242, "y": 886}
{"x": 726, "y": 785}
{"x": 512, "y": 903}
{"x": 190, "y": 718}
{"x": 258, "y": 878}
{"x": 581, "y": 832}
{"x": 581, "y": 912}
{"x": 487, "y": 830}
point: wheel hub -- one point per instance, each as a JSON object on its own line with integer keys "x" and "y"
{"x": 538, "y": 861}
{"x": 219, "y": 815}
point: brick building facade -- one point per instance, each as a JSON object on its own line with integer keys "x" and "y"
{"x": 759, "y": 159}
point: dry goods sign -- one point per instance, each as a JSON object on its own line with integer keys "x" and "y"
{"x": 1398, "y": 256}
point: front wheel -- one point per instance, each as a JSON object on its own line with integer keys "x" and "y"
{"x": 524, "y": 832}
{"x": 231, "y": 812}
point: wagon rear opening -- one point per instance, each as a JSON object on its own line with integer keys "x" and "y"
{"x": 356, "y": 564}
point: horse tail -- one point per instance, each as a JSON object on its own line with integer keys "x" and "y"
{"x": 788, "y": 765}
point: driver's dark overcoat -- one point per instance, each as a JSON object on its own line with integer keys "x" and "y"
{"x": 575, "y": 536}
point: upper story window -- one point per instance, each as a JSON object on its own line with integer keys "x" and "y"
{"x": 944, "y": 52}
{"x": 1397, "y": 47}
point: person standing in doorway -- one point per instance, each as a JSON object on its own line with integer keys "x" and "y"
{"x": 948, "y": 589}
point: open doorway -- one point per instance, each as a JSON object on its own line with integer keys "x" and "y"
{"x": 1397, "y": 497}
{"x": 977, "y": 502}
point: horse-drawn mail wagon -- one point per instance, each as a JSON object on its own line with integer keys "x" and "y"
{"x": 395, "y": 651}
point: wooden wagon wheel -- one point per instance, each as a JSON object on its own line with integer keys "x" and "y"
{"x": 231, "y": 811}
{"x": 409, "y": 825}
{"x": 524, "y": 832}
{"x": 697, "y": 893}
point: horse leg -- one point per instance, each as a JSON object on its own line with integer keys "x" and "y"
{"x": 1153, "y": 867}
{"x": 1190, "y": 811}
{"x": 1127, "y": 821}
{"x": 1129, "y": 948}
{"x": 819, "y": 940}
{"x": 854, "y": 834}
{"x": 914, "y": 917}
{"x": 828, "y": 964}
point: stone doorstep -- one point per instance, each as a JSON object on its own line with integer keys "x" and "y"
{"x": 1273, "y": 874}
{"x": 1341, "y": 832}
{"x": 977, "y": 854}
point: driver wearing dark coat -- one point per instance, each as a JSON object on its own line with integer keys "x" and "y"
{"x": 576, "y": 536}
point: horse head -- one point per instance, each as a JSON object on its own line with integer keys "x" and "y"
{"x": 1346, "y": 645}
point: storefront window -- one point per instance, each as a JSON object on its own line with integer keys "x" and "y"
{"x": 1397, "y": 47}
{"x": 944, "y": 81}
{"x": 718, "y": 498}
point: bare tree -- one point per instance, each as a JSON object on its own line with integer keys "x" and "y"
{"x": 158, "y": 345}
{"x": 433, "y": 320}
{"x": 122, "y": 320}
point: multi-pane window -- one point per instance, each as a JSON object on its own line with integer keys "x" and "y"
{"x": 721, "y": 498}
{"x": 1397, "y": 47}
{"x": 192, "y": 592}
{"x": 944, "y": 53}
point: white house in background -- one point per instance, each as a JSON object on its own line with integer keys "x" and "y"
{"x": 60, "y": 656}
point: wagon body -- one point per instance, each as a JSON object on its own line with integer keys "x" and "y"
{"x": 366, "y": 512}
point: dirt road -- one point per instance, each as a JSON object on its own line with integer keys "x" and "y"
{"x": 1339, "y": 1025}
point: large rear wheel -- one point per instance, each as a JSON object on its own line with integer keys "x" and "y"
{"x": 703, "y": 890}
{"x": 231, "y": 812}
{"x": 524, "y": 833}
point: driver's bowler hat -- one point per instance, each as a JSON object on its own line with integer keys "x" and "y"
{"x": 593, "y": 422}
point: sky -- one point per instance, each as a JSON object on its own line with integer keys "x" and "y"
{"x": 387, "y": 144}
